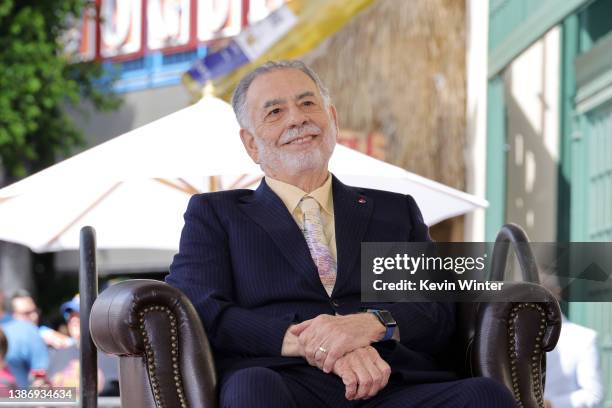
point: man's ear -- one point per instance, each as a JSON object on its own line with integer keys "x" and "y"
{"x": 248, "y": 140}
{"x": 334, "y": 116}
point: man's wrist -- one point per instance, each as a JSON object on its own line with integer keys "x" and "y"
{"x": 378, "y": 329}
{"x": 385, "y": 318}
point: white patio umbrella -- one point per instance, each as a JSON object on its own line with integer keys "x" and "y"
{"x": 134, "y": 188}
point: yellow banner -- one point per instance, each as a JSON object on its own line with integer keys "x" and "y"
{"x": 317, "y": 19}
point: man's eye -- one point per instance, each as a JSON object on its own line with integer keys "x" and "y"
{"x": 308, "y": 103}
{"x": 274, "y": 112}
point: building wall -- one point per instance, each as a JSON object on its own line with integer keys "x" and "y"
{"x": 514, "y": 25}
{"x": 138, "y": 109}
{"x": 532, "y": 98}
{"x": 519, "y": 111}
{"x": 588, "y": 141}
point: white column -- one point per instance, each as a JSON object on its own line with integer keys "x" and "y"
{"x": 477, "y": 15}
{"x": 15, "y": 268}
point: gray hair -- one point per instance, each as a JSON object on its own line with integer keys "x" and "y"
{"x": 19, "y": 293}
{"x": 239, "y": 96}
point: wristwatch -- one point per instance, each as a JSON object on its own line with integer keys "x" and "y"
{"x": 384, "y": 316}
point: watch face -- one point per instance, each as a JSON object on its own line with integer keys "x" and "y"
{"x": 387, "y": 318}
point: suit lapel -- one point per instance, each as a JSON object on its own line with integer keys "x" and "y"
{"x": 269, "y": 212}
{"x": 352, "y": 212}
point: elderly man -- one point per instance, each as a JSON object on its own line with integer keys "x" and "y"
{"x": 274, "y": 273}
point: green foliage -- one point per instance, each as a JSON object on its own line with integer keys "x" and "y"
{"x": 38, "y": 81}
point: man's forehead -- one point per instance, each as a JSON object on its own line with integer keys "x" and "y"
{"x": 279, "y": 85}
{"x": 21, "y": 300}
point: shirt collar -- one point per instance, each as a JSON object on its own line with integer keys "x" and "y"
{"x": 291, "y": 195}
{"x": 323, "y": 195}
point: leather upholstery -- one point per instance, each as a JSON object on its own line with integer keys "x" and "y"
{"x": 165, "y": 358}
{"x": 512, "y": 340}
{"x": 134, "y": 320}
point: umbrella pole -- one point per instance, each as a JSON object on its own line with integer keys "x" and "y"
{"x": 213, "y": 183}
{"x": 88, "y": 289}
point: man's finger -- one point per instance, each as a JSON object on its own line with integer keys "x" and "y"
{"x": 319, "y": 358}
{"x": 363, "y": 378}
{"x": 385, "y": 370}
{"x": 319, "y": 345}
{"x": 332, "y": 355}
{"x": 350, "y": 383}
{"x": 337, "y": 344}
{"x": 311, "y": 361}
{"x": 305, "y": 350}
{"x": 310, "y": 336}
{"x": 314, "y": 352}
{"x": 300, "y": 327}
{"x": 381, "y": 364}
{"x": 309, "y": 351}
{"x": 307, "y": 343}
{"x": 377, "y": 377}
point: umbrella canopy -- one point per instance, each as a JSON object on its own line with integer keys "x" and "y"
{"x": 134, "y": 188}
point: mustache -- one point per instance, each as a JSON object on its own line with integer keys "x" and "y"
{"x": 292, "y": 134}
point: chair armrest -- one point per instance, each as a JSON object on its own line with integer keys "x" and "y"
{"x": 164, "y": 352}
{"x": 511, "y": 339}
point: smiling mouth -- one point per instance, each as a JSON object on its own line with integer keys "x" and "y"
{"x": 301, "y": 140}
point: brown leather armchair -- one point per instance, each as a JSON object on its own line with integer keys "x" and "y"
{"x": 166, "y": 361}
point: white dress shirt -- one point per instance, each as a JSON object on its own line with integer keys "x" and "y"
{"x": 573, "y": 373}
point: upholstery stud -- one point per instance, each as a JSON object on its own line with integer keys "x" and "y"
{"x": 150, "y": 357}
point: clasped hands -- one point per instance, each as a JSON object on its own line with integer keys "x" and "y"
{"x": 341, "y": 344}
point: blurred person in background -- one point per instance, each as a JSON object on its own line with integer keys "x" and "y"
{"x": 7, "y": 379}
{"x": 23, "y": 307}
{"x": 64, "y": 368}
{"x": 573, "y": 372}
{"x": 27, "y": 356}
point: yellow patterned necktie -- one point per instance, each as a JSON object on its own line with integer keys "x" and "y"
{"x": 317, "y": 243}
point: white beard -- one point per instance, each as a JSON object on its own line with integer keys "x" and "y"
{"x": 277, "y": 160}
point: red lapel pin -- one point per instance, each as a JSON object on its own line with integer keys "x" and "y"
{"x": 361, "y": 200}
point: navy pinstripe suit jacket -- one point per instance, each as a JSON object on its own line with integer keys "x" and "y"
{"x": 245, "y": 265}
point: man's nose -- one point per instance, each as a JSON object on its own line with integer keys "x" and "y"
{"x": 297, "y": 117}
